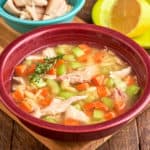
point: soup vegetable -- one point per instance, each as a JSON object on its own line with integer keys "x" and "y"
{"x": 74, "y": 85}
{"x": 37, "y": 9}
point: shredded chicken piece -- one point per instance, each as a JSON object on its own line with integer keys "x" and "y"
{"x": 59, "y": 106}
{"x": 73, "y": 113}
{"x": 49, "y": 52}
{"x": 25, "y": 15}
{"x": 53, "y": 7}
{"x": 19, "y": 80}
{"x": 34, "y": 57}
{"x": 121, "y": 73}
{"x": 11, "y": 8}
{"x": 80, "y": 76}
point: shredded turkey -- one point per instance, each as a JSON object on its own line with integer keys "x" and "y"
{"x": 49, "y": 52}
{"x": 81, "y": 75}
{"x": 76, "y": 114}
{"x": 59, "y": 106}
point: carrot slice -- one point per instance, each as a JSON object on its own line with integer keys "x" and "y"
{"x": 52, "y": 71}
{"x": 98, "y": 80}
{"x": 119, "y": 105}
{"x": 83, "y": 58}
{"x": 20, "y": 70}
{"x": 30, "y": 69}
{"x": 87, "y": 49}
{"x": 44, "y": 102}
{"x": 59, "y": 62}
{"x": 71, "y": 122}
{"x": 25, "y": 106}
{"x": 102, "y": 91}
{"x": 98, "y": 57}
{"x": 82, "y": 86}
{"x": 130, "y": 80}
{"x": 110, "y": 115}
{"x": 17, "y": 96}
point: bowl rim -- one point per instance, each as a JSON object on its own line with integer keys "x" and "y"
{"x": 136, "y": 109}
{"x": 69, "y": 14}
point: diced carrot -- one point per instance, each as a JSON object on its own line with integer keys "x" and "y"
{"x": 98, "y": 57}
{"x": 25, "y": 106}
{"x": 59, "y": 62}
{"x": 89, "y": 106}
{"x": 44, "y": 102}
{"x": 119, "y": 105}
{"x": 110, "y": 115}
{"x": 20, "y": 70}
{"x": 87, "y": 49}
{"x": 52, "y": 71}
{"x": 82, "y": 86}
{"x": 101, "y": 106}
{"x": 98, "y": 80}
{"x": 45, "y": 91}
{"x": 88, "y": 112}
{"x": 130, "y": 80}
{"x": 17, "y": 96}
{"x": 102, "y": 91}
{"x": 71, "y": 122}
{"x": 83, "y": 58}
{"x": 30, "y": 69}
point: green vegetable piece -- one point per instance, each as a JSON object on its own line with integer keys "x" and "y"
{"x": 60, "y": 50}
{"x": 62, "y": 69}
{"x": 53, "y": 85}
{"x": 77, "y": 51}
{"x": 110, "y": 83}
{"x": 132, "y": 90}
{"x": 75, "y": 65}
{"x": 66, "y": 94}
{"x": 69, "y": 57}
{"x": 108, "y": 102}
{"x": 49, "y": 119}
{"x": 98, "y": 114}
{"x": 77, "y": 106}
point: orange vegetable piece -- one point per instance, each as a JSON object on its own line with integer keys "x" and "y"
{"x": 119, "y": 105}
{"x": 87, "y": 49}
{"x": 98, "y": 57}
{"x": 25, "y": 106}
{"x": 83, "y": 58}
{"x": 101, "y": 106}
{"x": 110, "y": 115}
{"x": 20, "y": 70}
{"x": 52, "y": 71}
{"x": 30, "y": 69}
{"x": 71, "y": 122}
{"x": 102, "y": 91}
{"x": 17, "y": 96}
{"x": 130, "y": 80}
{"x": 98, "y": 80}
{"x": 44, "y": 102}
{"x": 88, "y": 112}
{"x": 59, "y": 62}
{"x": 45, "y": 91}
{"x": 82, "y": 86}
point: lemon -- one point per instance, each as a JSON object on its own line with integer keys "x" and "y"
{"x": 130, "y": 17}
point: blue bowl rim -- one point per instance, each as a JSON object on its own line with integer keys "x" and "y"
{"x": 70, "y": 14}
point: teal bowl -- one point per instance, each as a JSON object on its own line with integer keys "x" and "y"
{"x": 22, "y": 26}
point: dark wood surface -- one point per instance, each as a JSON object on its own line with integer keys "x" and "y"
{"x": 135, "y": 136}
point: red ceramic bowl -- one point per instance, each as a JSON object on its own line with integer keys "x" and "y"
{"x": 74, "y": 33}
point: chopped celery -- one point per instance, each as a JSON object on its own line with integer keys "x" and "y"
{"x": 65, "y": 85}
{"x": 77, "y": 51}
{"x": 49, "y": 119}
{"x": 53, "y": 85}
{"x": 62, "y": 69}
{"x": 75, "y": 65}
{"x": 132, "y": 90}
{"x": 77, "y": 106}
{"x": 69, "y": 57}
{"x": 108, "y": 102}
{"x": 110, "y": 83}
{"x": 98, "y": 114}
{"x": 60, "y": 50}
{"x": 66, "y": 94}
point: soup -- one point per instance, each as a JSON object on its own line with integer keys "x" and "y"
{"x": 74, "y": 85}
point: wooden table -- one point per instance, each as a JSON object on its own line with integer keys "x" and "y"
{"x": 135, "y": 136}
